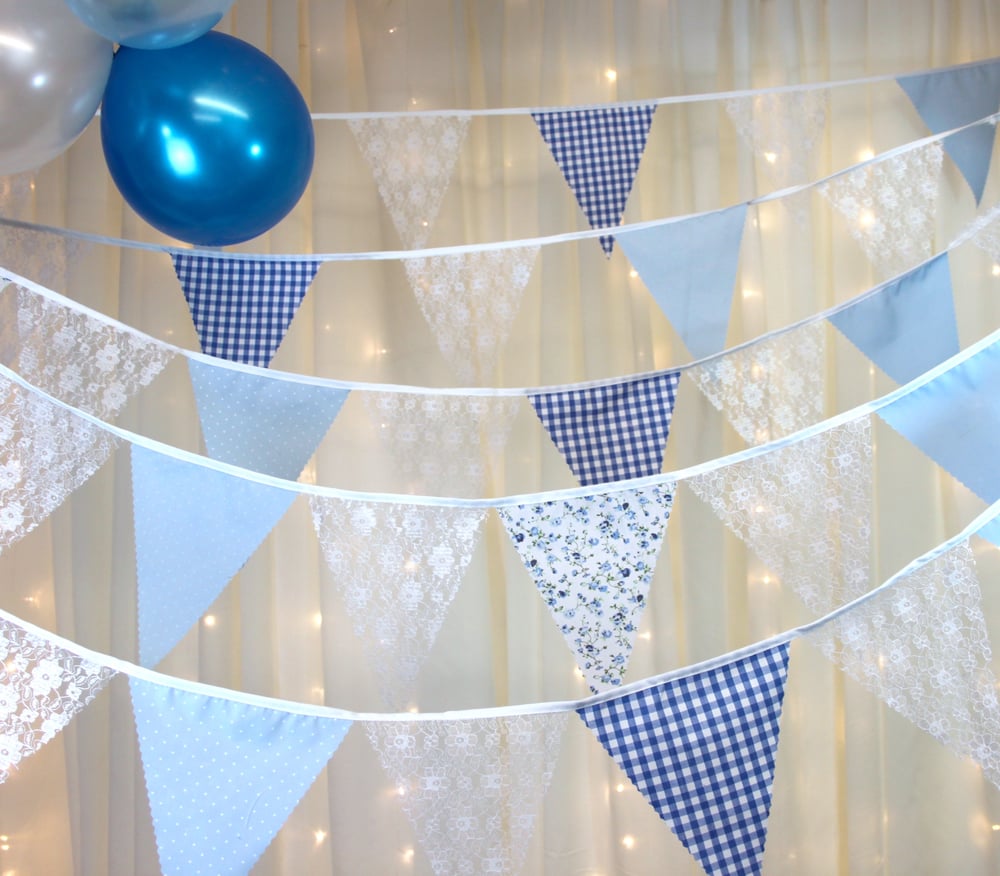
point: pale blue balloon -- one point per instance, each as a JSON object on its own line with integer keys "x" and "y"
{"x": 150, "y": 24}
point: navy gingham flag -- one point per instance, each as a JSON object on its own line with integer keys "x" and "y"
{"x": 701, "y": 749}
{"x": 598, "y": 151}
{"x": 612, "y": 432}
{"x": 242, "y": 307}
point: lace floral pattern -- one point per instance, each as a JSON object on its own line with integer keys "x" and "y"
{"x": 921, "y": 645}
{"x": 412, "y": 160}
{"x": 805, "y": 510}
{"x": 15, "y": 195}
{"x": 592, "y": 559}
{"x": 471, "y": 788}
{"x": 42, "y": 688}
{"x": 890, "y": 207}
{"x": 398, "y": 568}
{"x": 470, "y": 300}
{"x": 39, "y": 255}
{"x": 985, "y": 233}
{"x": 768, "y": 389}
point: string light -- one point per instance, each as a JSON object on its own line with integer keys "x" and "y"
{"x": 634, "y": 273}
{"x": 749, "y": 293}
{"x": 209, "y": 620}
{"x": 866, "y": 155}
{"x": 995, "y": 271}
{"x": 646, "y": 635}
{"x": 318, "y": 619}
{"x": 610, "y": 74}
{"x": 319, "y": 835}
{"x": 620, "y": 787}
{"x": 866, "y": 219}
{"x": 628, "y": 841}
{"x": 770, "y": 157}
{"x": 407, "y": 855}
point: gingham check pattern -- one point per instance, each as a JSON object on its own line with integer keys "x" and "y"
{"x": 701, "y": 749}
{"x": 612, "y": 432}
{"x": 598, "y": 151}
{"x": 242, "y": 307}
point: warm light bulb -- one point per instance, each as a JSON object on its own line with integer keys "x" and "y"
{"x": 318, "y": 619}
{"x": 866, "y": 219}
{"x": 209, "y": 620}
{"x": 749, "y": 293}
{"x": 407, "y": 856}
{"x": 995, "y": 271}
{"x": 634, "y": 273}
{"x": 866, "y": 155}
{"x": 610, "y": 75}
{"x": 320, "y": 835}
{"x": 770, "y": 157}
{"x": 620, "y": 787}
{"x": 628, "y": 841}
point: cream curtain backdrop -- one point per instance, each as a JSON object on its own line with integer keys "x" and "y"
{"x": 858, "y": 789}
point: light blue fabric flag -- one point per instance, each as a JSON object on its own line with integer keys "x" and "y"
{"x": 690, "y": 268}
{"x": 260, "y": 423}
{"x": 951, "y": 98}
{"x": 194, "y": 529}
{"x": 991, "y": 531}
{"x": 955, "y": 420}
{"x": 908, "y": 326}
{"x": 222, "y": 777}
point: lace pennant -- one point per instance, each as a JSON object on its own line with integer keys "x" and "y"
{"x": 770, "y": 388}
{"x": 42, "y": 688}
{"x": 194, "y": 529}
{"x": 470, "y": 301}
{"x": 890, "y": 207}
{"x": 921, "y": 645}
{"x": 42, "y": 256}
{"x": 261, "y": 423}
{"x": 701, "y": 750}
{"x": 242, "y": 307}
{"x": 805, "y": 510}
{"x": 472, "y": 788}
{"x": 598, "y": 152}
{"x": 398, "y": 568}
{"x": 985, "y": 233}
{"x": 949, "y": 99}
{"x": 15, "y": 195}
{"x": 612, "y": 432}
{"x": 46, "y": 452}
{"x": 413, "y": 160}
{"x": 592, "y": 559}
{"x": 690, "y": 267}
{"x": 441, "y": 444}
{"x": 908, "y": 326}
{"x": 222, "y": 777}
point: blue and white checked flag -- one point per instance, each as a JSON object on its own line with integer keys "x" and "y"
{"x": 612, "y": 432}
{"x": 701, "y": 749}
{"x": 242, "y": 307}
{"x": 598, "y": 151}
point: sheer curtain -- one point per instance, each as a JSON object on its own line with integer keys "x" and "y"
{"x": 858, "y": 789}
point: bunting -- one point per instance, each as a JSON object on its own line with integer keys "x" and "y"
{"x": 592, "y": 559}
{"x": 598, "y": 152}
{"x": 45, "y": 256}
{"x": 985, "y": 233}
{"x": 222, "y": 777}
{"x": 611, "y": 432}
{"x": 242, "y": 307}
{"x": 701, "y": 750}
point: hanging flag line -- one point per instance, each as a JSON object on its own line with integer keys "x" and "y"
{"x": 566, "y": 237}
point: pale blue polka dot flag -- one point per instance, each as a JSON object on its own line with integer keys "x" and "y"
{"x": 194, "y": 529}
{"x": 259, "y": 422}
{"x": 242, "y": 307}
{"x": 598, "y": 151}
{"x": 611, "y": 432}
{"x": 701, "y": 749}
{"x": 222, "y": 777}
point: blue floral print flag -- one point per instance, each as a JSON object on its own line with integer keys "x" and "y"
{"x": 592, "y": 559}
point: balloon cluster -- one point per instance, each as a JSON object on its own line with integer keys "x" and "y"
{"x": 206, "y": 137}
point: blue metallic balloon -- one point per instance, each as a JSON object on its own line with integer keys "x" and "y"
{"x": 209, "y": 142}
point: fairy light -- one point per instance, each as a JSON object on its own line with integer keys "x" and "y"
{"x": 209, "y": 620}
{"x": 770, "y": 157}
{"x": 749, "y": 293}
{"x": 628, "y": 841}
{"x": 634, "y": 273}
{"x": 866, "y": 155}
{"x": 407, "y": 855}
{"x": 866, "y": 219}
{"x": 400, "y": 790}
{"x": 319, "y": 835}
{"x": 995, "y": 827}
{"x": 620, "y": 787}
{"x": 646, "y": 635}
{"x": 995, "y": 270}
{"x": 318, "y": 620}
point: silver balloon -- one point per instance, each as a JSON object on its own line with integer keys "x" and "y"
{"x": 150, "y": 24}
{"x": 52, "y": 75}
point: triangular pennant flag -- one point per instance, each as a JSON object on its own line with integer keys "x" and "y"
{"x": 242, "y": 307}
{"x": 690, "y": 267}
{"x": 922, "y": 646}
{"x": 805, "y": 510}
{"x": 262, "y": 423}
{"x": 955, "y": 420}
{"x": 991, "y": 531}
{"x": 984, "y": 232}
{"x": 949, "y": 99}
{"x": 592, "y": 559}
{"x": 598, "y": 152}
{"x": 470, "y": 300}
{"x": 398, "y": 568}
{"x": 15, "y": 195}
{"x": 42, "y": 688}
{"x": 471, "y": 787}
{"x": 611, "y": 432}
{"x": 43, "y": 256}
{"x": 907, "y": 326}
{"x": 412, "y": 160}
{"x": 194, "y": 529}
{"x": 701, "y": 749}
{"x": 223, "y": 776}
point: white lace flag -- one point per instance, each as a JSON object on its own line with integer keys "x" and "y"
{"x": 804, "y": 510}
{"x": 770, "y": 388}
{"x": 985, "y": 233}
{"x": 397, "y": 568}
{"x": 921, "y": 645}
{"x": 470, "y": 300}
{"x": 42, "y": 687}
{"x": 42, "y": 256}
{"x": 15, "y": 194}
{"x": 472, "y": 788}
{"x": 412, "y": 160}
{"x": 890, "y": 207}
